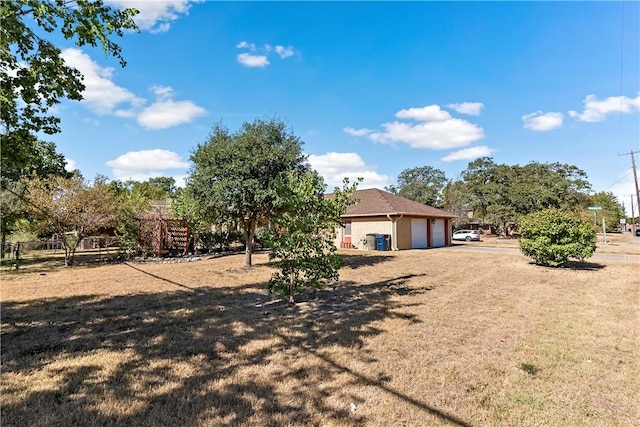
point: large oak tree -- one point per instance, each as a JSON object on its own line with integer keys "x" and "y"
{"x": 424, "y": 185}
{"x": 501, "y": 194}
{"x": 234, "y": 174}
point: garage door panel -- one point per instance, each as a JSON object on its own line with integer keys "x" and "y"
{"x": 418, "y": 233}
{"x": 438, "y": 233}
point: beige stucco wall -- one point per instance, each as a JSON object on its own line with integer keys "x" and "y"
{"x": 404, "y": 233}
{"x": 360, "y": 227}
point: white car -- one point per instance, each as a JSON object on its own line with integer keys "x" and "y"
{"x": 467, "y": 235}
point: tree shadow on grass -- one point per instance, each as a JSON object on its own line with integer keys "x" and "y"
{"x": 195, "y": 356}
{"x": 357, "y": 261}
{"x": 47, "y": 261}
{"x": 575, "y": 265}
{"x": 584, "y": 266}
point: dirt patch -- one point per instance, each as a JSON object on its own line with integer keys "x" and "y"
{"x": 431, "y": 337}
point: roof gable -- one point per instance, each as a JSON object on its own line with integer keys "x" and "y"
{"x": 372, "y": 202}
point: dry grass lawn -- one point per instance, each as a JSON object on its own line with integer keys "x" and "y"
{"x": 416, "y": 338}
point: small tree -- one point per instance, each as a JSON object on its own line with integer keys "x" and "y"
{"x": 553, "y": 236}
{"x": 71, "y": 208}
{"x": 302, "y": 242}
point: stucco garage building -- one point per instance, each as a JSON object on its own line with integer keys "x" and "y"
{"x": 409, "y": 224}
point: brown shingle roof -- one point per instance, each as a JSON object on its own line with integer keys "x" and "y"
{"x": 373, "y": 202}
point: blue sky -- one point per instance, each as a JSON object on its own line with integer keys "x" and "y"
{"x": 371, "y": 88}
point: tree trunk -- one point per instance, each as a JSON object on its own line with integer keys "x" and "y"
{"x": 249, "y": 232}
{"x": 67, "y": 257}
{"x": 70, "y": 252}
{"x": 292, "y": 301}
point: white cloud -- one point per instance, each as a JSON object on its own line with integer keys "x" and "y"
{"x": 597, "y": 111}
{"x": 155, "y": 16}
{"x": 69, "y": 165}
{"x": 470, "y": 153}
{"x": 542, "y": 122}
{"x": 357, "y": 132}
{"x": 101, "y": 94}
{"x": 162, "y": 92}
{"x": 245, "y": 45}
{"x": 333, "y": 167}
{"x": 438, "y": 135}
{"x": 284, "y": 52}
{"x": 259, "y": 57}
{"x": 145, "y": 164}
{"x": 166, "y": 113}
{"x": 430, "y": 113}
{"x": 436, "y": 129}
{"x": 470, "y": 108}
{"x": 252, "y": 61}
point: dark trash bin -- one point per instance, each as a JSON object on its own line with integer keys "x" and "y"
{"x": 383, "y": 242}
{"x": 371, "y": 242}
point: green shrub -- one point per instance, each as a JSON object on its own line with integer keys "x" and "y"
{"x": 551, "y": 237}
{"x": 219, "y": 240}
{"x": 262, "y": 237}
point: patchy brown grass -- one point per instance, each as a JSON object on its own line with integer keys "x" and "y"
{"x": 434, "y": 337}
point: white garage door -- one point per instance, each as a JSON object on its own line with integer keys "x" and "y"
{"x": 418, "y": 233}
{"x": 438, "y": 233}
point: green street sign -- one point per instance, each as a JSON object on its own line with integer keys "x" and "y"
{"x": 595, "y": 208}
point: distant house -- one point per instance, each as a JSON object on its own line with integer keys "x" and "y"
{"x": 405, "y": 224}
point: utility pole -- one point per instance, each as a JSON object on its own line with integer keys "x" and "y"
{"x": 633, "y": 217}
{"x": 635, "y": 176}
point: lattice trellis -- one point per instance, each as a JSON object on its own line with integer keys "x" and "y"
{"x": 159, "y": 236}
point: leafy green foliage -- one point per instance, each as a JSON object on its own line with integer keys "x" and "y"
{"x": 302, "y": 243}
{"x": 456, "y": 201}
{"x": 134, "y": 199}
{"x": 501, "y": 194}
{"x": 219, "y": 240}
{"x": 71, "y": 208}
{"x": 34, "y": 75}
{"x": 23, "y": 155}
{"x": 551, "y": 237}
{"x": 423, "y": 184}
{"x": 611, "y": 211}
{"x": 20, "y": 159}
{"x": 234, "y": 175}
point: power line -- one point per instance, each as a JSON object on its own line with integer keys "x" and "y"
{"x": 635, "y": 176}
{"x": 628, "y": 173}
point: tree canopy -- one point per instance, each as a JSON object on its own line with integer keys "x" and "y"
{"x": 500, "y": 194}
{"x": 611, "y": 211}
{"x": 71, "y": 208}
{"x": 302, "y": 241}
{"x": 35, "y": 158}
{"x": 34, "y": 75}
{"x": 424, "y": 184}
{"x": 234, "y": 174}
{"x": 24, "y": 155}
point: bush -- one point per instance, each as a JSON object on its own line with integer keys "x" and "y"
{"x": 219, "y": 240}
{"x": 262, "y": 237}
{"x": 551, "y": 237}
